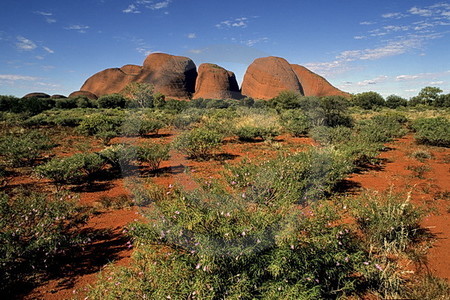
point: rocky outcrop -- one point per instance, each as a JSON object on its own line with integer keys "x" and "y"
{"x": 58, "y": 96}
{"x": 176, "y": 77}
{"x": 36, "y": 95}
{"x": 173, "y": 76}
{"x": 215, "y": 82}
{"x": 87, "y": 94}
{"x": 316, "y": 85}
{"x": 112, "y": 80}
{"x": 266, "y": 77}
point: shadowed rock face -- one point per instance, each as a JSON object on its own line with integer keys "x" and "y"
{"x": 173, "y": 76}
{"x": 215, "y": 82}
{"x": 36, "y": 95}
{"x": 176, "y": 77}
{"x": 87, "y": 94}
{"x": 266, "y": 77}
{"x": 112, "y": 80}
{"x": 316, "y": 85}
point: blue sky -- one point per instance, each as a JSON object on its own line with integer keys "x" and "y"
{"x": 387, "y": 46}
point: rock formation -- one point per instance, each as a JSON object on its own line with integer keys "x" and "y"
{"x": 112, "y": 80}
{"x": 58, "y": 96}
{"x": 266, "y": 77}
{"x": 176, "y": 77}
{"x": 315, "y": 85}
{"x": 173, "y": 76}
{"x": 215, "y": 82}
{"x": 36, "y": 95}
{"x": 87, "y": 94}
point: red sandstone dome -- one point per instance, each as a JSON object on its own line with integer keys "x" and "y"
{"x": 87, "y": 94}
{"x": 176, "y": 77}
{"x": 215, "y": 82}
{"x": 316, "y": 85}
{"x": 36, "y": 95}
{"x": 266, "y": 77}
{"x": 173, "y": 76}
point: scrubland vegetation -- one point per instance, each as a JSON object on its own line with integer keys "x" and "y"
{"x": 279, "y": 227}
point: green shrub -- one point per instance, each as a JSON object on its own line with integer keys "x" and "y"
{"x": 119, "y": 156}
{"x": 101, "y": 126}
{"x": 210, "y": 244}
{"x": 296, "y": 178}
{"x": 369, "y": 100}
{"x": 198, "y": 143}
{"x": 73, "y": 169}
{"x": 153, "y": 154}
{"x": 66, "y": 103}
{"x": 111, "y": 101}
{"x": 135, "y": 125}
{"x": 296, "y": 122}
{"x": 34, "y": 231}
{"x": 256, "y": 124}
{"x": 331, "y": 135}
{"x": 85, "y": 102}
{"x": 24, "y": 148}
{"x": 394, "y": 101}
{"x": 388, "y": 221}
{"x": 432, "y": 131}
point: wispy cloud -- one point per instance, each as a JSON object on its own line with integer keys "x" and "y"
{"x": 48, "y": 16}
{"x": 78, "y": 28}
{"x": 25, "y": 44}
{"x": 12, "y": 77}
{"x": 160, "y": 5}
{"x": 252, "y": 42}
{"x": 241, "y": 22}
{"x": 131, "y": 9}
{"x": 412, "y": 30}
{"x": 137, "y": 6}
{"x": 191, "y": 36}
{"x": 48, "y": 50}
{"x": 376, "y": 80}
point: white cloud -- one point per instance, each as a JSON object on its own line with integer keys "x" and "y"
{"x": 395, "y": 15}
{"x": 160, "y": 5}
{"x": 406, "y": 77}
{"x": 436, "y": 82}
{"x": 373, "y": 81}
{"x": 131, "y": 9}
{"x": 367, "y": 23}
{"x": 360, "y": 37}
{"x": 234, "y": 23}
{"x": 47, "y": 16}
{"x": 252, "y": 42}
{"x": 421, "y": 12}
{"x": 25, "y": 44}
{"x": 196, "y": 51}
{"x": 78, "y": 28}
{"x": 191, "y": 36}
{"x": 12, "y": 77}
{"x": 48, "y": 50}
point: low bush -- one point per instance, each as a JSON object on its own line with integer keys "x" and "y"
{"x": 23, "y": 148}
{"x": 210, "y": 244}
{"x": 73, "y": 169}
{"x": 296, "y": 122}
{"x": 432, "y": 131}
{"x": 136, "y": 125}
{"x": 34, "y": 231}
{"x": 101, "y": 126}
{"x": 389, "y": 221}
{"x": 250, "y": 126}
{"x": 120, "y": 156}
{"x": 198, "y": 143}
{"x": 112, "y": 101}
{"x": 153, "y": 154}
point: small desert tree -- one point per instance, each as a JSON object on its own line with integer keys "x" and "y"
{"x": 140, "y": 93}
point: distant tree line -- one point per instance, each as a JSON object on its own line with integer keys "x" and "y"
{"x": 141, "y": 95}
